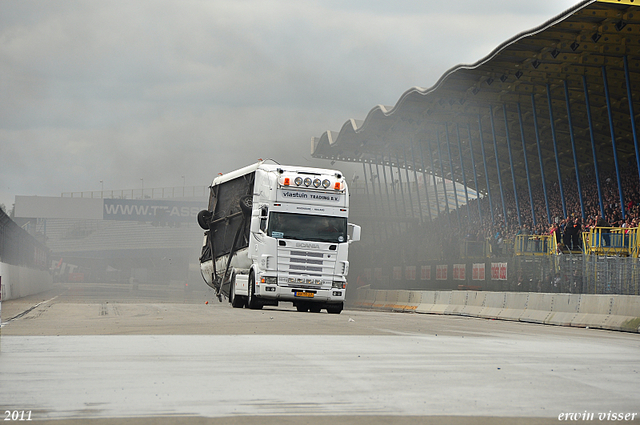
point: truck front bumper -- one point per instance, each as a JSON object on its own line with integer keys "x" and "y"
{"x": 293, "y": 294}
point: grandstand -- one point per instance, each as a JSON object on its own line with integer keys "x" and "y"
{"x": 544, "y": 130}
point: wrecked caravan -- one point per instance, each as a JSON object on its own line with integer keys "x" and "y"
{"x": 278, "y": 233}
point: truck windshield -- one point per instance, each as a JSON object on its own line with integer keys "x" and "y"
{"x": 307, "y": 227}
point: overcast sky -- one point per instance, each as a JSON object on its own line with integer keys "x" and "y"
{"x": 142, "y": 93}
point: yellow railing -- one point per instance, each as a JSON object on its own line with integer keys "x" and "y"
{"x": 534, "y": 245}
{"x": 618, "y": 241}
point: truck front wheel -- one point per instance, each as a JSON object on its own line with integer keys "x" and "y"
{"x": 334, "y": 308}
{"x": 252, "y": 302}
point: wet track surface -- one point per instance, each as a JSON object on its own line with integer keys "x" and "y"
{"x": 110, "y": 354}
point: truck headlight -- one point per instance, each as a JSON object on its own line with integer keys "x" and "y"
{"x": 339, "y": 285}
{"x": 269, "y": 280}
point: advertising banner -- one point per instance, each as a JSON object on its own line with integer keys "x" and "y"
{"x": 151, "y": 210}
{"x": 498, "y": 271}
{"x": 478, "y": 272}
{"x": 459, "y": 272}
{"x": 441, "y": 271}
{"x": 397, "y": 273}
{"x": 425, "y": 273}
{"x": 410, "y": 272}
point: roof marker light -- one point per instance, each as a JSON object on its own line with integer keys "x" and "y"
{"x": 336, "y": 186}
{"x": 307, "y": 182}
{"x": 316, "y": 183}
{"x": 326, "y": 183}
{"x": 286, "y": 181}
{"x": 298, "y": 181}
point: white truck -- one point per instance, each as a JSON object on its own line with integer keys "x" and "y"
{"x": 278, "y": 233}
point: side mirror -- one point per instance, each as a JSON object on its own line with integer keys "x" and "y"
{"x": 354, "y": 232}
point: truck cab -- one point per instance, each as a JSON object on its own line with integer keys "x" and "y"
{"x": 297, "y": 238}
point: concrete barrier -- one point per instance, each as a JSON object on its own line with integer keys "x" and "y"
{"x": 625, "y": 314}
{"x": 441, "y": 302}
{"x": 366, "y": 297}
{"x": 415, "y": 299}
{"x": 514, "y": 306}
{"x": 390, "y": 300}
{"x": 593, "y": 311}
{"x": 18, "y": 281}
{"x": 613, "y": 312}
{"x": 475, "y": 303}
{"x": 380, "y": 300}
{"x": 538, "y": 308}
{"x": 493, "y": 305}
{"x": 407, "y": 301}
{"x": 457, "y": 301}
{"x": 427, "y": 301}
{"x": 564, "y": 308}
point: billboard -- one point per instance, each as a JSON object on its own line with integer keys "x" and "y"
{"x": 151, "y": 210}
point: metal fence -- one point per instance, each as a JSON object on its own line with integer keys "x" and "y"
{"x": 611, "y": 275}
{"x": 572, "y": 274}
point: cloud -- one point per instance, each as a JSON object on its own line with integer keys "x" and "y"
{"x": 120, "y": 91}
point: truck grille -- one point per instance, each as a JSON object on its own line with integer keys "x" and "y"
{"x": 306, "y": 263}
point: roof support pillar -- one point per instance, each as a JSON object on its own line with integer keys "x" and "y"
{"x": 404, "y": 204}
{"x": 544, "y": 184}
{"x": 593, "y": 144}
{"x": 442, "y": 175}
{"x": 495, "y": 150}
{"x": 386, "y": 185}
{"x": 425, "y": 180}
{"x": 453, "y": 180}
{"x": 464, "y": 177}
{"x": 406, "y": 171}
{"x": 393, "y": 185}
{"x": 526, "y": 163}
{"x": 613, "y": 139}
{"x": 433, "y": 174}
{"x": 373, "y": 187}
{"x": 573, "y": 147}
{"x": 513, "y": 173}
{"x": 631, "y": 112}
{"x": 366, "y": 185}
{"x": 386, "y": 233}
{"x": 486, "y": 169}
{"x": 415, "y": 178}
{"x": 475, "y": 174}
{"x": 555, "y": 151}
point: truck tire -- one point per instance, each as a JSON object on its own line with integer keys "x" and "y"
{"x": 334, "y": 308}
{"x": 204, "y": 217}
{"x": 252, "y": 302}
{"x": 246, "y": 203}
{"x": 236, "y": 301}
{"x": 302, "y": 307}
{"x": 315, "y": 308}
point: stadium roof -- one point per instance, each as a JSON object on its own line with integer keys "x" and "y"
{"x": 580, "y": 54}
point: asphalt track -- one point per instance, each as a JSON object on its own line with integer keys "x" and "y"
{"x": 109, "y": 354}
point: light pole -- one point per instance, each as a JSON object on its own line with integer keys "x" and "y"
{"x": 142, "y": 184}
{"x": 101, "y": 189}
{"x": 183, "y": 185}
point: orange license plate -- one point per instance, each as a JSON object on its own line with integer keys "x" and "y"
{"x": 304, "y": 294}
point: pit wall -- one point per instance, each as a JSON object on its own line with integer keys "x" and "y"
{"x": 612, "y": 312}
{"x": 20, "y": 281}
